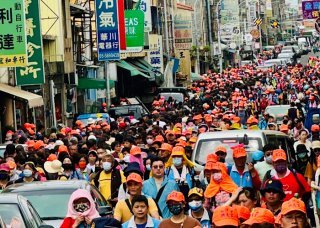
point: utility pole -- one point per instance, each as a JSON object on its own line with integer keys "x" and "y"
{"x": 219, "y": 35}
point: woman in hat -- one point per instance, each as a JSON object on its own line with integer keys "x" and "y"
{"x": 29, "y": 174}
{"x": 81, "y": 210}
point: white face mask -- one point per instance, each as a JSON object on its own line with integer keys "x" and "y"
{"x": 195, "y": 205}
{"x": 269, "y": 159}
{"x": 127, "y": 158}
{"x": 149, "y": 141}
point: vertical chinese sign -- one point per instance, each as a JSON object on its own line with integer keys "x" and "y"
{"x": 12, "y": 34}
{"x": 107, "y": 30}
{"x": 134, "y": 22}
{"x": 183, "y": 29}
{"x": 145, "y": 7}
{"x": 155, "y": 57}
{"x": 33, "y": 73}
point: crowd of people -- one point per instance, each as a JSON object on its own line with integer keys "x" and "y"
{"x": 143, "y": 166}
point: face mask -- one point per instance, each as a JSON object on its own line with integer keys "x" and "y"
{"x": 107, "y": 166}
{"x": 222, "y": 160}
{"x": 217, "y": 177}
{"x": 176, "y": 209}
{"x": 148, "y": 167}
{"x": 282, "y": 168}
{"x": 81, "y": 207}
{"x": 269, "y": 159}
{"x": 67, "y": 166}
{"x": 195, "y": 205}
{"x": 177, "y": 161}
{"x": 302, "y": 155}
{"x": 149, "y": 141}
{"x": 27, "y": 172}
{"x": 4, "y": 176}
{"x": 82, "y": 165}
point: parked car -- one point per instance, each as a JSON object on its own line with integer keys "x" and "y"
{"x": 177, "y": 93}
{"x": 133, "y": 107}
{"x": 274, "y": 62}
{"x": 17, "y": 211}
{"x": 253, "y": 140}
{"x": 3, "y": 148}
{"x": 278, "y": 111}
{"x": 288, "y": 57}
{"x": 50, "y": 198}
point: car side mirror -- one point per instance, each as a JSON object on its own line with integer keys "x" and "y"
{"x": 104, "y": 211}
{"x": 45, "y": 226}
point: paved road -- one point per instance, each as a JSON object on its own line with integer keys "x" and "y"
{"x": 305, "y": 58}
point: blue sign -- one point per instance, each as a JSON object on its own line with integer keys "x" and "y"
{"x": 107, "y": 30}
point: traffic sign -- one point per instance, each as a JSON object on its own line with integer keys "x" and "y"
{"x": 255, "y": 33}
{"x": 275, "y": 24}
{"x": 257, "y": 21}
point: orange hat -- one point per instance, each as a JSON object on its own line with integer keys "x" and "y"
{"x": 239, "y": 152}
{"x": 104, "y": 104}
{"x": 30, "y": 143}
{"x": 12, "y": 165}
{"x": 260, "y": 215}
{"x": 182, "y": 143}
{"x": 279, "y": 154}
{"x": 169, "y": 132}
{"x": 236, "y": 119}
{"x": 220, "y": 149}
{"x": 31, "y": 132}
{"x": 315, "y": 128}
{"x": 74, "y": 132}
{"x": 176, "y": 196}
{"x": 293, "y": 204}
{"x": 212, "y": 166}
{"x": 166, "y": 146}
{"x": 208, "y": 118}
{"x": 78, "y": 122}
{"x": 135, "y": 150}
{"x": 38, "y": 145}
{"x": 159, "y": 138}
{"x": 243, "y": 212}
{"x": 62, "y": 148}
{"x": 212, "y": 158}
{"x": 224, "y": 216}
{"x": 252, "y": 120}
{"x": 177, "y": 151}
{"x": 134, "y": 177}
{"x": 284, "y": 127}
{"x": 52, "y": 157}
{"x": 197, "y": 117}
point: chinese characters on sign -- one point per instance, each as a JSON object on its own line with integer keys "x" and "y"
{"x": 155, "y": 57}
{"x": 12, "y": 34}
{"x": 310, "y": 9}
{"x": 145, "y": 7}
{"x": 134, "y": 22}
{"x": 107, "y": 30}
{"x": 183, "y": 29}
{"x": 33, "y": 73}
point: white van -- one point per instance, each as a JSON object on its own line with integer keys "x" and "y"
{"x": 253, "y": 140}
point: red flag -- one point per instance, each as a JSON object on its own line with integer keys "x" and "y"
{"x": 122, "y": 28}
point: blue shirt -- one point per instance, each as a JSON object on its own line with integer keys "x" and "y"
{"x": 150, "y": 189}
{"x": 244, "y": 180}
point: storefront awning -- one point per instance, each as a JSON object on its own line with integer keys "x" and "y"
{"x": 93, "y": 83}
{"x": 34, "y": 100}
{"x": 133, "y": 70}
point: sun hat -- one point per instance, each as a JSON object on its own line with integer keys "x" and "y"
{"x": 54, "y": 166}
{"x": 274, "y": 185}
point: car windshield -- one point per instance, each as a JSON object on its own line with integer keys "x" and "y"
{"x": 208, "y": 146}
{"x": 277, "y": 111}
{"x": 284, "y": 55}
{"x": 177, "y": 96}
{"x": 127, "y": 110}
{"x": 11, "y": 215}
{"x": 50, "y": 204}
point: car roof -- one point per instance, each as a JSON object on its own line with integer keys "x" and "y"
{"x": 47, "y": 185}
{"x": 93, "y": 116}
{"x": 278, "y": 106}
{"x": 10, "y": 198}
{"x": 236, "y": 133}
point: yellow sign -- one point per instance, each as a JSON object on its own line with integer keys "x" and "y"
{"x": 185, "y": 63}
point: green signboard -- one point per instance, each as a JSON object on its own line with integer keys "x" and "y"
{"x": 33, "y": 73}
{"x": 12, "y": 34}
{"x": 134, "y": 23}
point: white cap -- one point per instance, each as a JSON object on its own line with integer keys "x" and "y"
{"x": 92, "y": 137}
{"x": 58, "y": 143}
